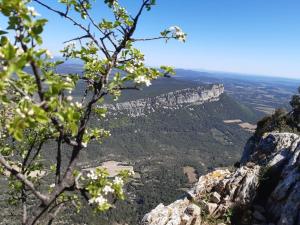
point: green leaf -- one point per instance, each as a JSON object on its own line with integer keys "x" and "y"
{"x": 18, "y": 135}
{"x": 2, "y": 32}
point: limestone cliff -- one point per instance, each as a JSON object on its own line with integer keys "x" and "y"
{"x": 265, "y": 189}
{"x": 171, "y": 100}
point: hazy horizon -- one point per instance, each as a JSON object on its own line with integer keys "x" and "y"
{"x": 216, "y": 71}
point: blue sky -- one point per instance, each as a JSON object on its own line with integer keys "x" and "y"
{"x": 244, "y": 36}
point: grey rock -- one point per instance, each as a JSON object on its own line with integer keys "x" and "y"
{"x": 177, "y": 213}
{"x": 259, "y": 208}
{"x": 171, "y": 100}
{"x": 248, "y": 151}
{"x": 215, "y": 197}
{"x": 277, "y": 155}
{"x": 211, "y": 207}
{"x": 257, "y": 215}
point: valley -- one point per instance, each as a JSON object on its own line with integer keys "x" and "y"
{"x": 171, "y": 133}
{"x": 169, "y": 140}
{"x": 170, "y": 143}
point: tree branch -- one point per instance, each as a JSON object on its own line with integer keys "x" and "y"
{"x": 65, "y": 15}
{"x": 58, "y": 159}
{"x": 77, "y": 38}
{"x": 22, "y": 178}
{"x": 53, "y": 215}
{"x": 97, "y": 27}
{"x": 20, "y": 91}
{"x": 24, "y": 205}
{"x": 150, "y": 39}
{"x": 36, "y": 154}
{"x": 38, "y": 80}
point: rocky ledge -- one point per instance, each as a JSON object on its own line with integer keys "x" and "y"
{"x": 264, "y": 189}
{"x": 188, "y": 96}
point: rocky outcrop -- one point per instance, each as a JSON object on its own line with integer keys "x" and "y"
{"x": 180, "y": 98}
{"x": 265, "y": 189}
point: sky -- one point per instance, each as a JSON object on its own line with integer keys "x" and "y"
{"x": 259, "y": 37}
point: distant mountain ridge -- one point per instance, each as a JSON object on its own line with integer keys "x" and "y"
{"x": 170, "y": 100}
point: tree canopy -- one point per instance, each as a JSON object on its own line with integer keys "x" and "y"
{"x": 37, "y": 105}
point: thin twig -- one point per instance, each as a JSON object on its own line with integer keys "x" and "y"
{"x": 150, "y": 39}
{"x": 77, "y": 38}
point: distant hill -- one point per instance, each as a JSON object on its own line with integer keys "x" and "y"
{"x": 161, "y": 143}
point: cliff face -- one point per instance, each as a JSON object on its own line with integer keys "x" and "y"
{"x": 171, "y": 100}
{"x": 265, "y": 189}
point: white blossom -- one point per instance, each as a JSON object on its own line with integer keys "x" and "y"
{"x": 69, "y": 98}
{"x": 130, "y": 69}
{"x": 181, "y": 36}
{"x": 175, "y": 29}
{"x": 131, "y": 173}
{"x": 49, "y": 54}
{"x": 20, "y": 113}
{"x": 52, "y": 185}
{"x": 19, "y": 51}
{"x": 107, "y": 189}
{"x": 118, "y": 181}
{"x": 100, "y": 200}
{"x": 92, "y": 175}
{"x": 78, "y": 104}
{"x": 84, "y": 144}
{"x": 18, "y": 33}
{"x": 177, "y": 33}
{"x": 92, "y": 201}
{"x": 68, "y": 79}
{"x": 142, "y": 80}
{"x": 32, "y": 11}
{"x": 30, "y": 112}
